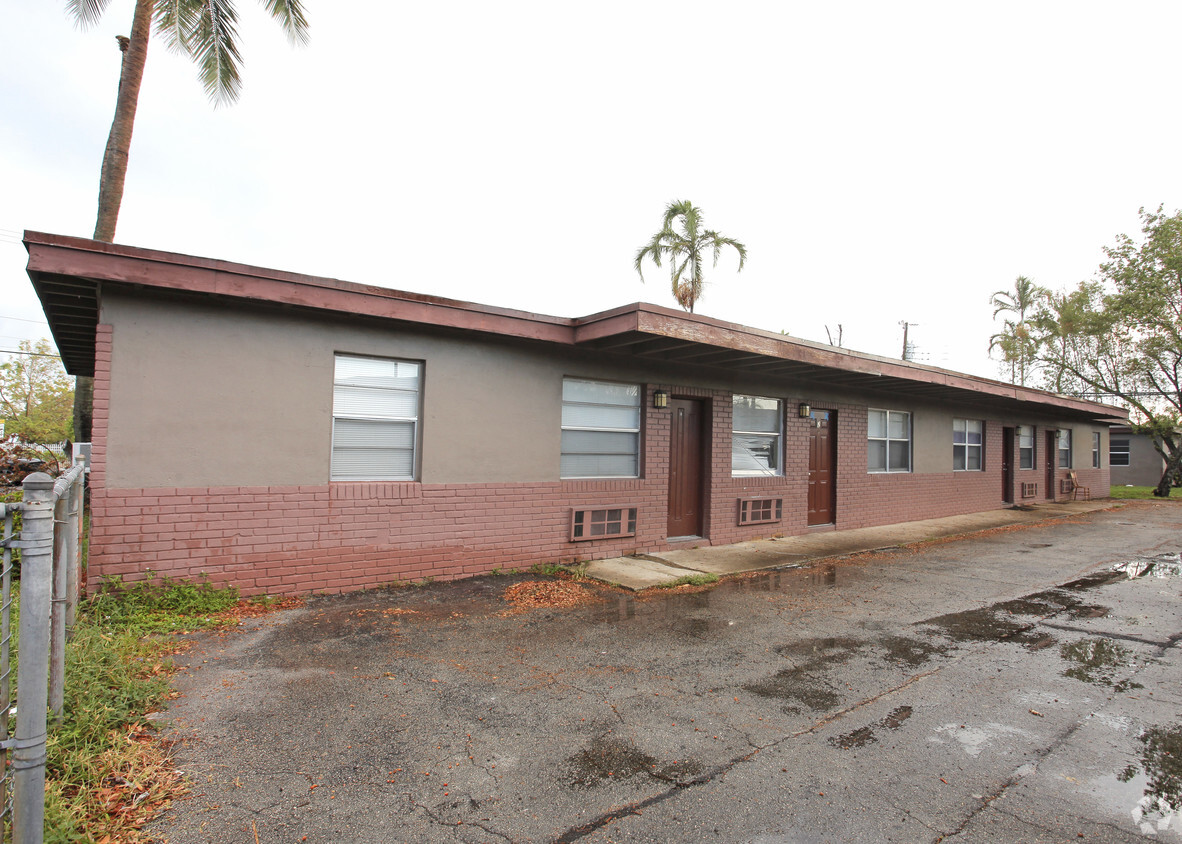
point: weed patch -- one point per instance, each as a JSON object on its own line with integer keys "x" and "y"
{"x": 689, "y": 580}
{"x": 107, "y": 773}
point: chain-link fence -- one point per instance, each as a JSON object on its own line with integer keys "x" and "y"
{"x": 49, "y": 545}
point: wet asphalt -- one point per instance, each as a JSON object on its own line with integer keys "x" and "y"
{"x": 1022, "y": 684}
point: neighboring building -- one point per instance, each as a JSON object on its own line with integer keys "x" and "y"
{"x": 290, "y": 434}
{"x": 1134, "y": 460}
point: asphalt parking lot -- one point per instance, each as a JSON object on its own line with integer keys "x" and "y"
{"x": 1022, "y": 684}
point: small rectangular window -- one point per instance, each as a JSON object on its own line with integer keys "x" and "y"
{"x": 967, "y": 444}
{"x": 888, "y": 441}
{"x": 600, "y": 429}
{"x": 602, "y": 523}
{"x": 375, "y": 416}
{"x": 1025, "y": 446}
{"x": 1095, "y": 450}
{"x": 1065, "y": 448}
{"x": 1118, "y": 452}
{"x": 755, "y": 445}
{"x": 756, "y": 511}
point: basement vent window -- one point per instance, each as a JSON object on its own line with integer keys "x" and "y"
{"x": 760, "y": 511}
{"x": 602, "y": 523}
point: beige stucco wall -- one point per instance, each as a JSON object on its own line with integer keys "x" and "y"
{"x": 203, "y": 394}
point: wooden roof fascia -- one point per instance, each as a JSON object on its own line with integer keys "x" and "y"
{"x": 59, "y": 264}
{"x": 79, "y": 258}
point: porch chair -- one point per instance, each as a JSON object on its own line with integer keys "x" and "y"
{"x": 1077, "y": 490}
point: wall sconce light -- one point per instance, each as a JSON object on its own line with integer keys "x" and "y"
{"x": 805, "y": 410}
{"x": 660, "y": 399}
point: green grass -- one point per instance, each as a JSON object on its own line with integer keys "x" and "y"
{"x": 689, "y": 580}
{"x": 1141, "y": 492}
{"x": 164, "y": 606}
{"x": 117, "y": 667}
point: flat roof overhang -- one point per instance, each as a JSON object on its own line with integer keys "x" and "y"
{"x": 69, "y": 275}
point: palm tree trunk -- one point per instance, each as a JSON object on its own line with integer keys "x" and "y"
{"x": 114, "y": 172}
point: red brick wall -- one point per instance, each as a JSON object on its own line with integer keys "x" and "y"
{"x": 332, "y": 537}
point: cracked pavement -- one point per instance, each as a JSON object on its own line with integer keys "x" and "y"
{"x": 996, "y": 687}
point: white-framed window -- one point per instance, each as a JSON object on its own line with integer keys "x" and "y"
{"x": 756, "y": 443}
{"x": 600, "y": 429}
{"x": 1118, "y": 451}
{"x": 1065, "y": 448}
{"x": 968, "y": 438}
{"x": 1095, "y": 449}
{"x": 888, "y": 441}
{"x": 375, "y": 419}
{"x": 1025, "y": 446}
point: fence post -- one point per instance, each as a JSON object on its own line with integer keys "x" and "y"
{"x": 74, "y": 549}
{"x": 28, "y": 758}
{"x": 57, "y": 611}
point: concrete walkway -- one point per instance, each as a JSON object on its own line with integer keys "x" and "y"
{"x": 647, "y": 570}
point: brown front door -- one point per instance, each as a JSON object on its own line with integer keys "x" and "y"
{"x": 1052, "y": 454}
{"x": 822, "y": 462}
{"x": 1007, "y": 465}
{"x": 685, "y": 468}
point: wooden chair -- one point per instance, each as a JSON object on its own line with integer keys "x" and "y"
{"x": 1077, "y": 490}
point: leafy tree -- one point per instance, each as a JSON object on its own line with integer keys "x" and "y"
{"x": 205, "y": 31}
{"x": 683, "y": 242}
{"x": 1120, "y": 335}
{"x": 1015, "y": 341}
{"x": 36, "y": 395}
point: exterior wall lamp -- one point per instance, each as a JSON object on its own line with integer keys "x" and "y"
{"x": 660, "y": 399}
{"x": 805, "y": 410}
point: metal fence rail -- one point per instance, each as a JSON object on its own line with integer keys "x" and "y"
{"x": 50, "y": 545}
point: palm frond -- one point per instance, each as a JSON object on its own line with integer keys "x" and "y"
{"x": 177, "y": 20}
{"x": 86, "y": 12}
{"x": 717, "y": 241}
{"x": 214, "y": 47}
{"x": 290, "y": 15}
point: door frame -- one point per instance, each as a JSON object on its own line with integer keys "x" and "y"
{"x": 832, "y": 438}
{"x": 704, "y": 465}
{"x": 1051, "y": 446}
{"x": 1009, "y": 439}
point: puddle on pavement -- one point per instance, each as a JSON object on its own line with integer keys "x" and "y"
{"x": 858, "y": 738}
{"x": 1098, "y": 661}
{"x": 983, "y": 625}
{"x": 798, "y": 688}
{"x": 908, "y": 651}
{"x": 1017, "y": 620}
{"x": 804, "y": 685}
{"x": 1160, "y": 763}
{"x": 1161, "y": 566}
{"x": 609, "y": 758}
{"x": 865, "y": 735}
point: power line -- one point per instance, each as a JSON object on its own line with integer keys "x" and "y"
{"x": 30, "y": 354}
{"x": 23, "y": 319}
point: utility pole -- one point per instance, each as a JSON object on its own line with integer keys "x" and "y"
{"x": 906, "y": 347}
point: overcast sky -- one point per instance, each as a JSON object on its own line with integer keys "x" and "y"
{"x": 881, "y": 161}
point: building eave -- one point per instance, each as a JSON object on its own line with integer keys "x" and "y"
{"x": 69, "y": 275}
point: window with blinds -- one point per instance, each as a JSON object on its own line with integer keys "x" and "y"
{"x": 755, "y": 444}
{"x": 600, "y": 429}
{"x": 375, "y": 417}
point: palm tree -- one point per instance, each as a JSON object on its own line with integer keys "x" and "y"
{"x": 205, "y": 31}
{"x": 1014, "y": 340}
{"x": 684, "y": 246}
